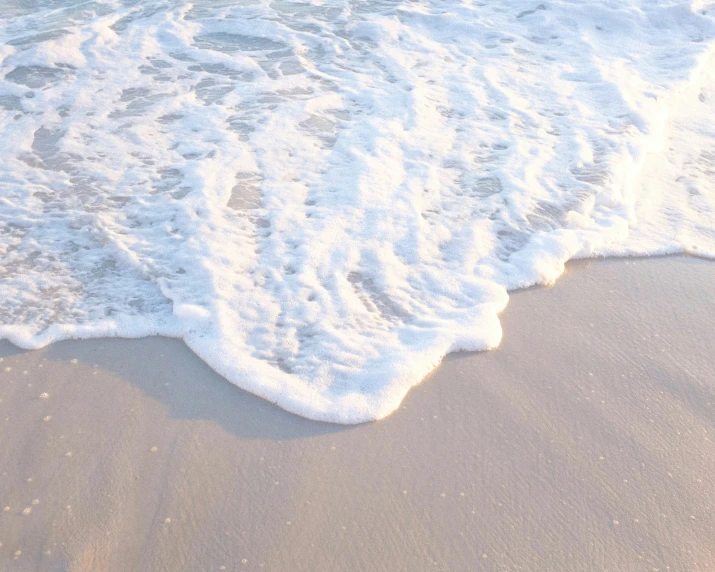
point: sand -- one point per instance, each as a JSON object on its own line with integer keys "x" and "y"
{"x": 585, "y": 442}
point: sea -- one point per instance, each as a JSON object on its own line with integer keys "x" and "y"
{"x": 323, "y": 198}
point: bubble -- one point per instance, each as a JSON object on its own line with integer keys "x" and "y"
{"x": 44, "y": 395}
{"x": 27, "y": 511}
{"x": 46, "y": 418}
{"x": 153, "y": 449}
{"x": 75, "y": 360}
{"x": 36, "y": 501}
{"x": 6, "y": 509}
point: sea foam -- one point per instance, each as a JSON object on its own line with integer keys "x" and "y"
{"x": 323, "y": 198}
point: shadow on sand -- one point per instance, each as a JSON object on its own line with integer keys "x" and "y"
{"x": 167, "y": 371}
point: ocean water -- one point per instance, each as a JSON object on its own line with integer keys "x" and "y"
{"x": 323, "y": 198}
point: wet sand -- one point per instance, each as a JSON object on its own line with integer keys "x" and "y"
{"x": 585, "y": 442}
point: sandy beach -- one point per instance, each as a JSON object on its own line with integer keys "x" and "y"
{"x": 585, "y": 442}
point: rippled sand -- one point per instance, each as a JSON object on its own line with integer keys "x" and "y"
{"x": 583, "y": 443}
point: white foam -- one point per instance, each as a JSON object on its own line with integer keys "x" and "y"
{"x": 324, "y": 198}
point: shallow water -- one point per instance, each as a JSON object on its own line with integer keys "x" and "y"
{"x": 325, "y": 198}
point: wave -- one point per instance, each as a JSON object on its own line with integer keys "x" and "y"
{"x": 325, "y": 198}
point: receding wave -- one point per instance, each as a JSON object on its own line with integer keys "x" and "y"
{"x": 324, "y": 198}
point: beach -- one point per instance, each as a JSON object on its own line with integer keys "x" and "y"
{"x": 357, "y": 285}
{"x": 584, "y": 442}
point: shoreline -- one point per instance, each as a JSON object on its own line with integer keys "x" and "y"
{"x": 583, "y": 442}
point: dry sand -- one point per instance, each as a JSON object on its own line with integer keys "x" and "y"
{"x": 585, "y": 442}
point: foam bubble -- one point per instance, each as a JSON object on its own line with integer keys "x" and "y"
{"x": 323, "y": 199}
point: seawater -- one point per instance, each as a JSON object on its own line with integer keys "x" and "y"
{"x": 323, "y": 198}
